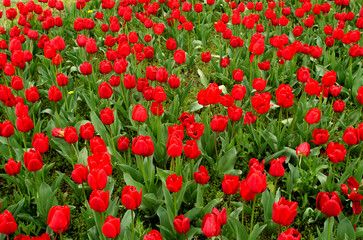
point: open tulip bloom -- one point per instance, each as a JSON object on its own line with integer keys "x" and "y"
{"x": 168, "y": 119}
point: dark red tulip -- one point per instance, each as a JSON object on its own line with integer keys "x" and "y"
{"x": 211, "y": 226}
{"x": 339, "y": 106}
{"x": 62, "y": 80}
{"x": 351, "y": 136}
{"x": 195, "y": 130}
{"x": 219, "y": 123}
{"x": 234, "y": 113}
{"x": 123, "y": 143}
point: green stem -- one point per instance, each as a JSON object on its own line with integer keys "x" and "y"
{"x": 113, "y": 144}
{"x": 348, "y": 159}
{"x": 275, "y": 184}
{"x": 253, "y": 213}
{"x": 84, "y": 192}
{"x": 56, "y": 111}
{"x": 24, "y": 139}
{"x": 133, "y": 225}
{"x": 215, "y": 144}
{"x": 33, "y": 110}
{"x": 232, "y": 130}
{"x": 243, "y": 211}
{"x": 176, "y": 213}
{"x": 60, "y": 234}
{"x": 65, "y": 98}
{"x": 301, "y": 156}
{"x": 329, "y": 228}
{"x": 11, "y": 155}
{"x": 17, "y": 186}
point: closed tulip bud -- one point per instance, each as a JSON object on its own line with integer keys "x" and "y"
{"x": 157, "y": 109}
{"x": 329, "y": 203}
{"x": 59, "y": 218}
{"x": 313, "y": 116}
{"x": 179, "y": 56}
{"x": 24, "y": 123}
{"x": 338, "y": 106}
{"x": 33, "y": 160}
{"x": 181, "y": 224}
{"x": 153, "y": 235}
{"x": 129, "y": 81}
{"x": 97, "y": 179}
{"x": 142, "y": 145}
{"x": 174, "y": 183}
{"x": 40, "y": 142}
{"x": 219, "y": 123}
{"x": 237, "y": 75}
{"x": 87, "y": 131}
{"x": 230, "y": 184}
{"x": 351, "y": 136}
{"x": 206, "y": 57}
{"x": 174, "y": 146}
{"x": 159, "y": 94}
{"x": 54, "y": 94}
{"x": 99, "y": 200}
{"x": 12, "y": 168}
{"x": 62, "y": 80}
{"x": 32, "y": 94}
{"x": 130, "y": 197}
{"x": 7, "y": 223}
{"x": 17, "y": 83}
{"x": 284, "y": 212}
{"x": 210, "y": 225}
{"x": 174, "y": 81}
{"x": 277, "y": 169}
{"x": 70, "y": 135}
{"x": 105, "y": 90}
{"x": 303, "y": 149}
{"x": 79, "y": 174}
{"x": 107, "y": 117}
{"x": 235, "y": 113}
{"x": 191, "y": 149}
{"x": 256, "y": 181}
{"x": 6, "y": 129}
{"x": 245, "y": 192}
{"x": 111, "y": 227}
{"x": 139, "y": 113}
{"x": 123, "y": 143}
{"x": 201, "y": 177}
{"x": 85, "y": 68}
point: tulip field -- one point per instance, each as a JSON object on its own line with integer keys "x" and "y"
{"x": 181, "y": 119}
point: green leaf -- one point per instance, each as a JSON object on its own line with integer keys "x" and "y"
{"x": 203, "y": 78}
{"x": 226, "y": 163}
{"x": 345, "y": 230}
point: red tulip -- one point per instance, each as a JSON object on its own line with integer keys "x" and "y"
{"x": 97, "y": 179}
{"x": 195, "y": 130}
{"x": 139, "y": 113}
{"x": 105, "y": 90}
{"x": 338, "y": 106}
{"x": 329, "y": 203}
{"x": 329, "y": 78}
{"x": 206, "y": 57}
{"x": 259, "y": 84}
{"x": 87, "y": 131}
{"x": 7, "y": 223}
{"x": 290, "y": 234}
{"x": 230, "y": 184}
{"x": 70, "y": 135}
{"x": 62, "y": 80}
{"x": 32, "y": 94}
{"x": 157, "y": 109}
{"x": 174, "y": 183}
{"x": 130, "y": 197}
{"x": 201, "y": 177}
{"x": 12, "y": 168}
{"x": 219, "y": 123}
{"x": 211, "y": 226}
{"x": 107, "y": 117}
{"x": 277, "y": 169}
{"x": 245, "y": 192}
{"x": 191, "y": 149}
{"x": 142, "y": 145}
{"x": 59, "y": 218}
{"x": 79, "y": 174}
{"x": 24, "y": 123}
{"x": 284, "y": 212}
{"x": 234, "y": 113}
{"x": 181, "y": 224}
{"x": 54, "y": 94}
{"x": 320, "y": 136}
{"x": 85, "y": 68}
{"x": 40, "y": 142}
{"x": 336, "y": 152}
{"x": 179, "y": 56}
{"x": 111, "y": 227}
{"x": 351, "y": 136}
{"x": 33, "y": 160}
{"x": 313, "y": 116}
{"x": 261, "y": 102}
{"x": 153, "y": 235}
{"x": 284, "y": 96}
{"x": 6, "y": 129}
{"x": 123, "y": 143}
{"x": 99, "y": 200}
{"x": 98, "y": 146}
{"x": 303, "y": 149}
{"x": 249, "y": 118}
